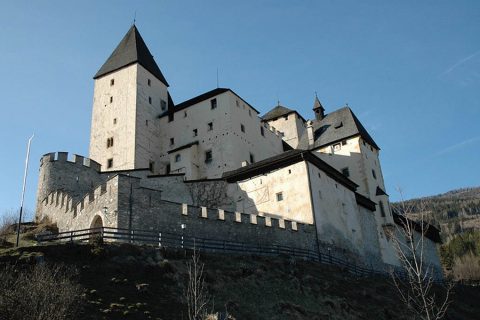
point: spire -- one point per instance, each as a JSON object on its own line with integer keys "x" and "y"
{"x": 132, "y": 49}
{"x": 318, "y": 109}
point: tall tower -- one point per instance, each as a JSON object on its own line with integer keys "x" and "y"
{"x": 130, "y": 93}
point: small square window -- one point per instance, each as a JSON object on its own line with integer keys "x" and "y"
{"x": 213, "y": 104}
{"x": 150, "y": 100}
{"x": 149, "y": 82}
{"x": 111, "y": 99}
{"x": 346, "y": 172}
{"x": 279, "y": 196}
{"x": 252, "y": 158}
{"x": 344, "y": 142}
{"x": 110, "y": 142}
{"x": 110, "y": 163}
{"x": 172, "y": 141}
{"x": 195, "y": 132}
{"x": 210, "y": 126}
{"x": 112, "y": 82}
{"x": 163, "y": 105}
{"x": 208, "y": 156}
{"x": 114, "y": 120}
{"x": 242, "y": 127}
{"x": 178, "y": 158}
{"x": 262, "y": 131}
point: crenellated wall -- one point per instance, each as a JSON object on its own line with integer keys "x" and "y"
{"x": 75, "y": 177}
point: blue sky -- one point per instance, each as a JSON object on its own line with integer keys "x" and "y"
{"x": 410, "y": 70}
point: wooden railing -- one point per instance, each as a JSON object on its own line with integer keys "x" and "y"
{"x": 178, "y": 240}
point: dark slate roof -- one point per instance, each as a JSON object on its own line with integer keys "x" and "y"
{"x": 204, "y": 96}
{"x": 317, "y": 104}
{"x": 336, "y": 126}
{"x": 429, "y": 230}
{"x": 277, "y": 112}
{"x": 132, "y": 49}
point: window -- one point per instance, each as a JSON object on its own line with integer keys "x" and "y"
{"x": 210, "y": 126}
{"x": 149, "y": 82}
{"x": 185, "y": 114}
{"x": 112, "y": 82}
{"x": 178, "y": 158}
{"x": 114, "y": 120}
{"x": 195, "y": 132}
{"x": 289, "y": 171}
{"x": 249, "y": 112}
{"x": 110, "y": 163}
{"x": 151, "y": 166}
{"x": 279, "y": 196}
{"x": 344, "y": 142}
{"x": 337, "y": 147}
{"x": 163, "y": 105}
{"x": 167, "y": 169}
{"x": 252, "y": 158}
{"x": 374, "y": 174}
{"x": 172, "y": 141}
{"x": 208, "y": 156}
{"x": 346, "y": 172}
{"x": 262, "y": 131}
{"x": 213, "y": 104}
{"x": 238, "y": 104}
{"x": 285, "y": 117}
{"x": 110, "y": 142}
{"x": 150, "y": 100}
{"x": 111, "y": 99}
{"x": 382, "y": 209}
{"x": 242, "y": 128}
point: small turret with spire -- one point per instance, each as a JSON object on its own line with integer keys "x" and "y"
{"x": 318, "y": 109}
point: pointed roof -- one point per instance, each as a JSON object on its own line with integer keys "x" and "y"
{"x": 276, "y": 112}
{"x": 336, "y": 126}
{"x": 317, "y": 104}
{"x": 132, "y": 49}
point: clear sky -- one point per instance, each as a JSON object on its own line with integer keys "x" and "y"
{"x": 410, "y": 70}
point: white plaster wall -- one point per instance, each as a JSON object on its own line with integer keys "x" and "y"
{"x": 228, "y": 144}
{"x": 291, "y": 126}
{"x": 124, "y": 93}
{"x": 258, "y": 194}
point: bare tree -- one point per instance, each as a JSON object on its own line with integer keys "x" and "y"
{"x": 37, "y": 293}
{"x": 7, "y": 221}
{"x": 211, "y": 194}
{"x": 196, "y": 293}
{"x": 416, "y": 283}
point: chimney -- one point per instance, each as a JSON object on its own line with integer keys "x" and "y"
{"x": 310, "y": 132}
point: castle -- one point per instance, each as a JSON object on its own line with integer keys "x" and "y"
{"x": 212, "y": 164}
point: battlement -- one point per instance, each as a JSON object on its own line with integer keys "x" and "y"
{"x": 273, "y": 130}
{"x": 240, "y": 218}
{"x": 74, "y": 158}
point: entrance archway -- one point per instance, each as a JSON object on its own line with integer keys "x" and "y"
{"x": 96, "y": 234}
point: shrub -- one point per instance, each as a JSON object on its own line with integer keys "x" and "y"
{"x": 40, "y": 292}
{"x": 467, "y": 267}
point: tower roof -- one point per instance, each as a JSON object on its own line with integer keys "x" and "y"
{"x": 317, "y": 104}
{"x": 132, "y": 49}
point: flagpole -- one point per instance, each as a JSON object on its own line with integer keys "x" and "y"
{"x": 23, "y": 188}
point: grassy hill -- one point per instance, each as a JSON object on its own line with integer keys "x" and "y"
{"x": 122, "y": 281}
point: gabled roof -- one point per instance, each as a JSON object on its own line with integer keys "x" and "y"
{"x": 132, "y": 49}
{"x": 204, "y": 96}
{"x": 336, "y": 126}
{"x": 277, "y": 112}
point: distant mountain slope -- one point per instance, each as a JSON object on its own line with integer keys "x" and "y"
{"x": 454, "y": 211}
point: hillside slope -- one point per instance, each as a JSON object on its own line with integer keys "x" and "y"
{"x": 454, "y": 211}
{"x": 123, "y": 281}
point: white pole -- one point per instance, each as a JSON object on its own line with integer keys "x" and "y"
{"x": 23, "y": 188}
